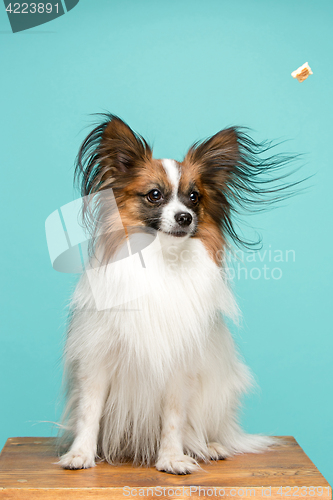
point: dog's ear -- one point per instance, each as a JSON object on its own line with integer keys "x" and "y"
{"x": 237, "y": 175}
{"x": 110, "y": 151}
{"x": 216, "y": 157}
{"x": 121, "y": 148}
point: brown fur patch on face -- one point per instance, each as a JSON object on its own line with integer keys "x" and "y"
{"x": 133, "y": 207}
{"x": 208, "y": 230}
{"x": 131, "y": 199}
{"x": 212, "y": 239}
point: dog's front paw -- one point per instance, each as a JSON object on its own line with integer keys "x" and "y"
{"x": 217, "y": 451}
{"x": 77, "y": 459}
{"x": 177, "y": 464}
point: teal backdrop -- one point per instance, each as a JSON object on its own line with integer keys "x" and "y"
{"x": 176, "y": 71}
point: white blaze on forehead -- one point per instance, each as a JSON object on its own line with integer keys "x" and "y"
{"x": 173, "y": 172}
{"x": 174, "y": 205}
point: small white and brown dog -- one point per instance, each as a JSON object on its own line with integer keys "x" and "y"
{"x": 153, "y": 372}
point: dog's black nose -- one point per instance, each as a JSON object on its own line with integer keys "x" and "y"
{"x": 183, "y": 218}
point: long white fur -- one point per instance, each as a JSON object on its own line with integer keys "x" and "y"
{"x": 156, "y": 378}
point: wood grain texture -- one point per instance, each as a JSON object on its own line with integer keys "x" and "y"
{"x": 28, "y": 470}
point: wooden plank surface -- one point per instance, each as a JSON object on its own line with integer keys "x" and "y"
{"x": 28, "y": 470}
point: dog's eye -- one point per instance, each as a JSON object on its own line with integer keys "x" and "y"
{"x": 154, "y": 196}
{"x": 194, "y": 197}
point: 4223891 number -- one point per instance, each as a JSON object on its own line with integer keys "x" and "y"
{"x": 302, "y": 491}
{"x": 32, "y": 8}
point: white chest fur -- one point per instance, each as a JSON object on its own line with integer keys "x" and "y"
{"x": 161, "y": 305}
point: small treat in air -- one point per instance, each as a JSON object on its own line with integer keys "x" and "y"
{"x": 302, "y": 72}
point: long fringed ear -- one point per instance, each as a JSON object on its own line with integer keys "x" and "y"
{"x": 220, "y": 148}
{"x": 110, "y": 151}
{"x": 238, "y": 176}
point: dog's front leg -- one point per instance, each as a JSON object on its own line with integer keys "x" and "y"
{"x": 171, "y": 457}
{"x": 92, "y": 388}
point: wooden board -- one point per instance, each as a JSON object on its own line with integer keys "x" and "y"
{"x": 28, "y": 470}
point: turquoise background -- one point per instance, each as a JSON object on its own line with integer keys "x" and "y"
{"x": 176, "y": 71}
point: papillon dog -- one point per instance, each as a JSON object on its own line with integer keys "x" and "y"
{"x": 153, "y": 373}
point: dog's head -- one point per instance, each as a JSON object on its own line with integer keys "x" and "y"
{"x": 194, "y": 198}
